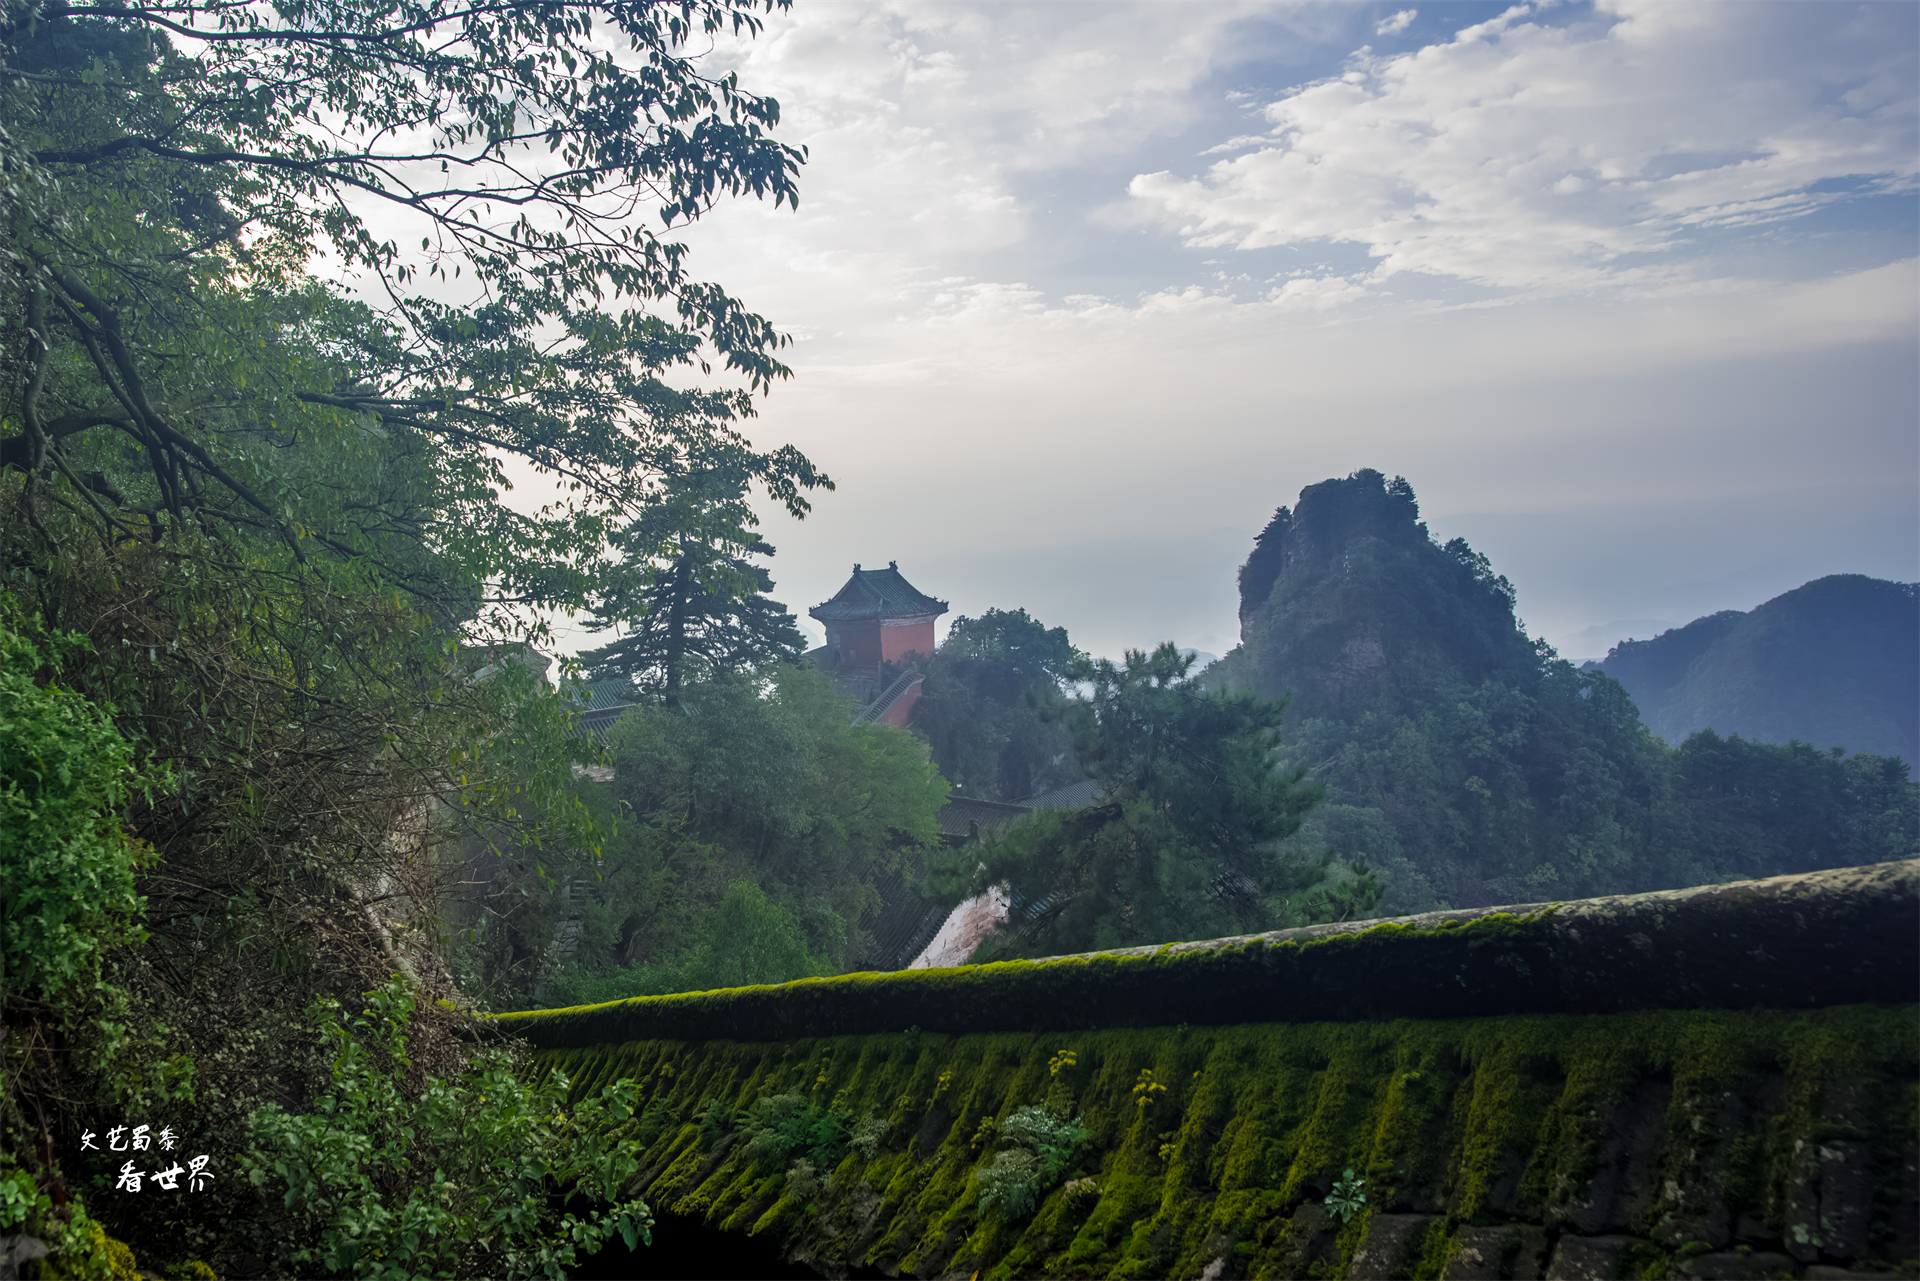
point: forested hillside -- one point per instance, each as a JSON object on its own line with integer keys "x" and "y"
{"x": 1834, "y": 663}
{"x": 1474, "y": 766}
{"x": 293, "y": 295}
{"x": 715, "y": 865}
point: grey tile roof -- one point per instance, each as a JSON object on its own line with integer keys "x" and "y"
{"x": 1070, "y": 797}
{"x": 965, "y": 816}
{"x": 594, "y": 696}
{"x": 877, "y": 593}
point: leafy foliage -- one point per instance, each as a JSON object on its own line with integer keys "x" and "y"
{"x": 1037, "y": 1143}
{"x": 275, "y": 505}
{"x": 980, "y": 707}
{"x": 66, "y": 861}
{"x": 1348, "y": 1198}
{"x": 724, "y": 866}
{"x": 180, "y": 370}
{"x": 1181, "y": 842}
{"x": 782, "y": 1126}
{"x": 445, "y": 1178}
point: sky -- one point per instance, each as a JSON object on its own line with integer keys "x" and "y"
{"x": 1081, "y": 292}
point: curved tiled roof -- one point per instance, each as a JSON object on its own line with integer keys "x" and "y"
{"x": 877, "y": 593}
{"x": 595, "y": 696}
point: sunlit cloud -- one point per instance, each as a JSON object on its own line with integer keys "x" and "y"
{"x": 1525, "y": 154}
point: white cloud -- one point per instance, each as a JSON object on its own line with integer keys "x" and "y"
{"x": 1396, "y": 24}
{"x": 1316, "y": 293}
{"x": 1534, "y": 157}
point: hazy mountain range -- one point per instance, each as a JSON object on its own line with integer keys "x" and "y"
{"x": 1834, "y": 663}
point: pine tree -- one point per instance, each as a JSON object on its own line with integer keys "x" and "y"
{"x": 689, "y": 601}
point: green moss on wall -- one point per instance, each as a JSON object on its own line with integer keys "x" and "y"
{"x": 1673, "y": 950}
{"x": 1647, "y": 1122}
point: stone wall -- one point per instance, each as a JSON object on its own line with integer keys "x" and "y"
{"x": 1654, "y": 1106}
{"x": 1790, "y": 942}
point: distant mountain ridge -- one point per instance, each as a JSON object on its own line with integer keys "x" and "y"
{"x": 1470, "y": 764}
{"x": 1833, "y": 663}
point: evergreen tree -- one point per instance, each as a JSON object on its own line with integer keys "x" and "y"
{"x": 691, "y": 604}
{"x": 1182, "y": 840}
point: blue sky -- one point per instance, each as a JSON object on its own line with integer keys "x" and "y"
{"x": 1083, "y": 291}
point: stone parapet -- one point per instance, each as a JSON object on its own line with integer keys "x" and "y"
{"x": 1829, "y": 938}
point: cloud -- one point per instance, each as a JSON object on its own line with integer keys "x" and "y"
{"x": 1316, "y": 293}
{"x": 1602, "y": 153}
{"x": 1396, "y": 24}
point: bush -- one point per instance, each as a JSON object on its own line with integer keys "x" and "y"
{"x": 74, "y": 1244}
{"x": 1037, "y": 1144}
{"x": 451, "y": 1178}
{"x": 867, "y": 1133}
{"x": 803, "y": 1181}
{"x": 67, "y": 864}
{"x": 750, "y": 940}
{"x": 786, "y": 1124}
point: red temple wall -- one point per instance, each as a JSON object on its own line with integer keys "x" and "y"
{"x": 869, "y": 644}
{"x": 897, "y": 642}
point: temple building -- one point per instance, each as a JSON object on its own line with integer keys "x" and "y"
{"x": 878, "y": 617}
{"x": 877, "y": 625}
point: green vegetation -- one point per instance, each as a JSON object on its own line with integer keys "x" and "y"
{"x": 274, "y": 507}
{"x": 266, "y": 697}
{"x": 982, "y": 708}
{"x": 691, "y": 605}
{"x": 786, "y": 1125}
{"x": 1348, "y": 1198}
{"x": 717, "y": 867}
{"x": 1498, "y": 1120}
{"x": 1182, "y": 842}
{"x": 1470, "y": 765}
{"x": 440, "y": 1178}
{"x": 1037, "y": 1143}
{"x": 65, "y": 858}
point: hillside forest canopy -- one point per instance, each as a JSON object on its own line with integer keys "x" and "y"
{"x": 289, "y": 800}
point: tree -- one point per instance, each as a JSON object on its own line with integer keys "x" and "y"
{"x": 980, "y": 706}
{"x": 1180, "y": 843}
{"x": 276, "y": 505}
{"x": 178, "y": 368}
{"x": 812, "y": 814}
{"x": 692, "y": 605}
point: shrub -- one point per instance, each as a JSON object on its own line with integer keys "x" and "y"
{"x": 74, "y": 1244}
{"x": 1037, "y": 1144}
{"x": 867, "y": 1133}
{"x": 1010, "y": 1184}
{"x": 451, "y": 1178}
{"x": 1348, "y": 1198}
{"x": 67, "y": 864}
{"x": 783, "y": 1125}
{"x": 803, "y": 1181}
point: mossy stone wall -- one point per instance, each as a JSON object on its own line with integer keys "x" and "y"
{"x": 1648, "y": 1143}
{"x": 1721, "y": 1082}
{"x": 1791, "y": 942}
